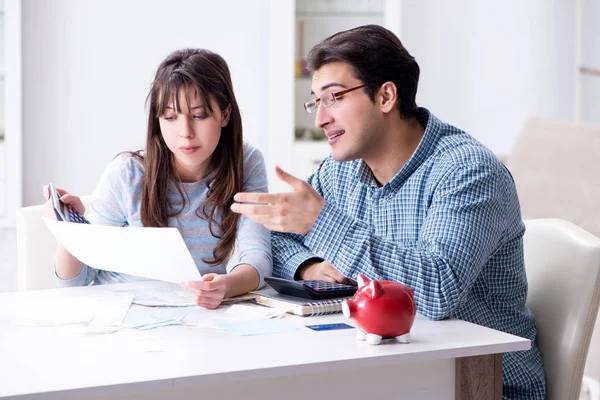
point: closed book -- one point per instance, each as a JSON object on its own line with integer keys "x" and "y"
{"x": 296, "y": 305}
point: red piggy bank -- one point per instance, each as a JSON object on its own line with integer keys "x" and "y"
{"x": 381, "y": 309}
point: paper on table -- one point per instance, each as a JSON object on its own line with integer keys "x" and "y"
{"x": 94, "y": 311}
{"x": 260, "y": 327}
{"x": 155, "y": 253}
{"x": 242, "y": 312}
{"x": 173, "y": 296}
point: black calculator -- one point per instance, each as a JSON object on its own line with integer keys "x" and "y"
{"x": 74, "y": 216}
{"x": 64, "y": 212}
{"x": 310, "y": 289}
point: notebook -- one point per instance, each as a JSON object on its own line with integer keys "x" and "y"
{"x": 296, "y": 305}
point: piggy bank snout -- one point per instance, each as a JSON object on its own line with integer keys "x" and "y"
{"x": 349, "y": 308}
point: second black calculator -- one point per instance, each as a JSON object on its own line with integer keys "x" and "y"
{"x": 310, "y": 289}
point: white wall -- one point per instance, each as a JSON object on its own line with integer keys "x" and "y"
{"x": 488, "y": 65}
{"x": 590, "y": 58}
{"x": 2, "y": 40}
{"x": 88, "y": 65}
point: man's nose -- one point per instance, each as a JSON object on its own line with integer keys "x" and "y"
{"x": 323, "y": 117}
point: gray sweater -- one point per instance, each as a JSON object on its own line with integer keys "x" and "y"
{"x": 117, "y": 198}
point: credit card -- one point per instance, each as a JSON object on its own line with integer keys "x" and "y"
{"x": 329, "y": 327}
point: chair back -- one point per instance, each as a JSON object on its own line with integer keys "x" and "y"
{"x": 555, "y": 165}
{"x": 563, "y": 270}
{"x": 35, "y": 249}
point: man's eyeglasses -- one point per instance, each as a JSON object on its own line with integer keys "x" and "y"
{"x": 328, "y": 99}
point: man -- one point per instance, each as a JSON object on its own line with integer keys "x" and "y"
{"x": 403, "y": 197}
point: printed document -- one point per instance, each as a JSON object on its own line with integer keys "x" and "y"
{"x": 155, "y": 253}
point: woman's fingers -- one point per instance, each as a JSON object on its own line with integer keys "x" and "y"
{"x": 209, "y": 292}
{"x": 67, "y": 198}
{"x": 73, "y": 202}
{"x": 208, "y": 304}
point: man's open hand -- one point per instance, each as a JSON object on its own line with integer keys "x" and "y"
{"x": 293, "y": 212}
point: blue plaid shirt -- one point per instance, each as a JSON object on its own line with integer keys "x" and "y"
{"x": 448, "y": 225}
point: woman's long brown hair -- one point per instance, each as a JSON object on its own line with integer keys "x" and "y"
{"x": 207, "y": 74}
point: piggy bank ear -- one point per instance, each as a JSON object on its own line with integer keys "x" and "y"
{"x": 376, "y": 289}
{"x": 362, "y": 280}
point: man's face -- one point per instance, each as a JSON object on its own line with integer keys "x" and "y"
{"x": 352, "y": 124}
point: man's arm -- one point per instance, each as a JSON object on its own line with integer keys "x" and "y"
{"x": 463, "y": 227}
{"x": 289, "y": 253}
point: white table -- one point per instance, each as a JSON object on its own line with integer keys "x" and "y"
{"x": 446, "y": 360}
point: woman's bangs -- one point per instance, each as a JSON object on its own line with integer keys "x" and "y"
{"x": 169, "y": 94}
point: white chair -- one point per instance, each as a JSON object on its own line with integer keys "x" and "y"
{"x": 563, "y": 270}
{"x": 554, "y": 164}
{"x": 35, "y": 249}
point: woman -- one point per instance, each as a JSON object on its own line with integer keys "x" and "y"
{"x": 194, "y": 162}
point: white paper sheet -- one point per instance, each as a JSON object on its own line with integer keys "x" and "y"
{"x": 242, "y": 312}
{"x": 97, "y": 311}
{"x": 172, "y": 296}
{"x": 259, "y": 327}
{"x": 155, "y": 253}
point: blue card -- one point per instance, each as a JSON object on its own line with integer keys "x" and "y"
{"x": 329, "y": 327}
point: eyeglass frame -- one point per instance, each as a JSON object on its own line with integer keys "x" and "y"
{"x": 333, "y": 97}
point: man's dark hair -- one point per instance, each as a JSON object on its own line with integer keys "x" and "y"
{"x": 375, "y": 56}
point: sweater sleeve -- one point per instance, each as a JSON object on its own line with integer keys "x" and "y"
{"x": 253, "y": 239}
{"x": 107, "y": 207}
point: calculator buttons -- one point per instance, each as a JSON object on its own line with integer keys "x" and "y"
{"x": 74, "y": 216}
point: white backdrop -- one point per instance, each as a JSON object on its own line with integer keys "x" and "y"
{"x": 488, "y": 65}
{"x": 88, "y": 64}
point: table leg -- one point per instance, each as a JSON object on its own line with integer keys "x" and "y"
{"x": 479, "y": 377}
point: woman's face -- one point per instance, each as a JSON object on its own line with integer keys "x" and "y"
{"x": 192, "y": 136}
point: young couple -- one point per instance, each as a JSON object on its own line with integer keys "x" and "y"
{"x": 403, "y": 196}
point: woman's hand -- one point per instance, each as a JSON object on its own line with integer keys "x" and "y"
{"x": 67, "y": 198}
{"x": 66, "y": 265}
{"x": 210, "y": 291}
{"x": 213, "y": 288}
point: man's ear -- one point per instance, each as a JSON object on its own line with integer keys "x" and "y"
{"x": 388, "y": 97}
{"x": 225, "y": 114}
